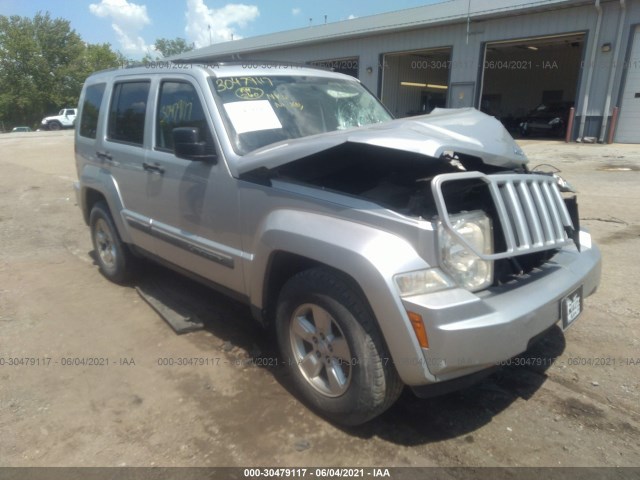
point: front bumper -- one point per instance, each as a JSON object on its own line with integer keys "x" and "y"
{"x": 469, "y": 332}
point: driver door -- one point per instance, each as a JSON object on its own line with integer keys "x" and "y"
{"x": 193, "y": 203}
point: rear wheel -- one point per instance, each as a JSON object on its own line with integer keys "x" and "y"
{"x": 113, "y": 256}
{"x": 333, "y": 348}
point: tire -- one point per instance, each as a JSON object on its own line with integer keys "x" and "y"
{"x": 114, "y": 259}
{"x": 333, "y": 349}
{"x": 55, "y": 126}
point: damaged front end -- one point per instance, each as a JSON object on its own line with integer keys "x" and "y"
{"x": 529, "y": 220}
{"x": 460, "y": 170}
{"x": 488, "y": 260}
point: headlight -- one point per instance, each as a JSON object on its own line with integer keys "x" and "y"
{"x": 422, "y": 281}
{"x": 466, "y": 268}
{"x": 555, "y": 121}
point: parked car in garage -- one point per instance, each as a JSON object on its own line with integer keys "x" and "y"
{"x": 547, "y": 119}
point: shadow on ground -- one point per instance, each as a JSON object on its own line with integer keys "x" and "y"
{"x": 411, "y": 421}
{"x": 414, "y": 421}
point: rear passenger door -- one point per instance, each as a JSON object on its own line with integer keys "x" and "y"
{"x": 193, "y": 203}
{"x": 123, "y": 154}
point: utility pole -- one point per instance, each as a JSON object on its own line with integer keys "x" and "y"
{"x": 209, "y": 35}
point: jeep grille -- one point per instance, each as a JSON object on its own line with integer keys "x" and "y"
{"x": 532, "y": 213}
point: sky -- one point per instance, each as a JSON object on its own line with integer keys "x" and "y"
{"x": 132, "y": 26}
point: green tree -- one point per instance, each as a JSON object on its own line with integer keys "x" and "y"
{"x": 168, "y": 47}
{"x": 43, "y": 63}
{"x": 99, "y": 56}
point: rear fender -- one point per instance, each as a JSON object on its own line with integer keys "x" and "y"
{"x": 100, "y": 180}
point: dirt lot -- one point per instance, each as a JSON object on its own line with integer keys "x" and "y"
{"x": 579, "y": 406}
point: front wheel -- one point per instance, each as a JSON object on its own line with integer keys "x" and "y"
{"x": 55, "y": 126}
{"x": 333, "y": 348}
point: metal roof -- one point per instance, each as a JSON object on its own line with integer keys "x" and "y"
{"x": 419, "y": 17}
{"x": 221, "y": 70}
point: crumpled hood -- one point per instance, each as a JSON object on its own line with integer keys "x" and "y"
{"x": 462, "y": 130}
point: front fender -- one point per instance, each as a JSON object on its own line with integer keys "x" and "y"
{"x": 369, "y": 255}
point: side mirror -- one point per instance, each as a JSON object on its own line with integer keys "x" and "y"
{"x": 187, "y": 145}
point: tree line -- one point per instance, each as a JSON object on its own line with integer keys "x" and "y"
{"x": 44, "y": 62}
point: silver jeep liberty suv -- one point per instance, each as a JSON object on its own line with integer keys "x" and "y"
{"x": 418, "y": 251}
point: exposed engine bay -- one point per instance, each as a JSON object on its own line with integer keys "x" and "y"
{"x": 398, "y": 180}
{"x": 401, "y": 181}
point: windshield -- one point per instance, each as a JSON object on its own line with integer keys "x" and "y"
{"x": 261, "y": 110}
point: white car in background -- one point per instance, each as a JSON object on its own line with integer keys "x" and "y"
{"x": 66, "y": 118}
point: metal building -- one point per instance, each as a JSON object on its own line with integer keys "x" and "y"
{"x": 505, "y": 57}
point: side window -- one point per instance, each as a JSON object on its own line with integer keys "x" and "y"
{"x": 91, "y": 110}
{"x": 179, "y": 106}
{"x": 127, "y": 112}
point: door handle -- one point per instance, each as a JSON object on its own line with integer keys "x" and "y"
{"x": 155, "y": 167}
{"x": 104, "y": 156}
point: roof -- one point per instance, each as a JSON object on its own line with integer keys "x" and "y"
{"x": 221, "y": 69}
{"x": 453, "y": 11}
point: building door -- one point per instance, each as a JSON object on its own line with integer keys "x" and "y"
{"x": 521, "y": 75}
{"x": 627, "y": 131}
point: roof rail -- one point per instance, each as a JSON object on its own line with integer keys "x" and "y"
{"x": 255, "y": 62}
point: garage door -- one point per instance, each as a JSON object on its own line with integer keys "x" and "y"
{"x": 415, "y": 82}
{"x": 532, "y": 81}
{"x": 628, "y": 131}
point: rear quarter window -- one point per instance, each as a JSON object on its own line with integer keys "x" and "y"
{"x": 91, "y": 110}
